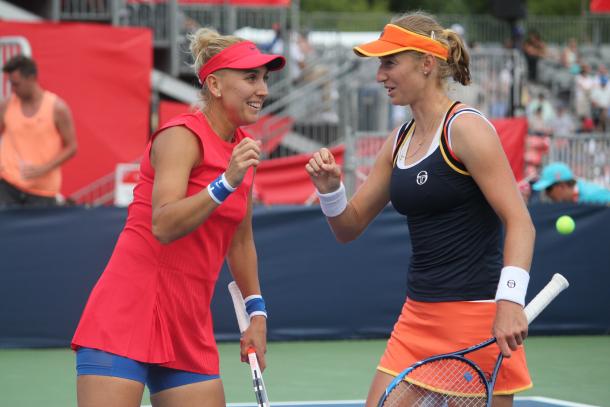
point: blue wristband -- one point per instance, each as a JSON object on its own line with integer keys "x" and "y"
{"x": 220, "y": 189}
{"x": 255, "y": 305}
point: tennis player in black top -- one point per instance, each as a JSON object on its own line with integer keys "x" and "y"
{"x": 446, "y": 171}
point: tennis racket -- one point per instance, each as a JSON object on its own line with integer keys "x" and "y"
{"x": 243, "y": 320}
{"x": 453, "y": 380}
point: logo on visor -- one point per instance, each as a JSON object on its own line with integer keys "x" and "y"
{"x": 382, "y": 32}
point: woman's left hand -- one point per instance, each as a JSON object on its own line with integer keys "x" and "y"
{"x": 510, "y": 326}
{"x": 255, "y": 337}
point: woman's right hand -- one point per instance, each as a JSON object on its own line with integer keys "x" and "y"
{"x": 255, "y": 337}
{"x": 324, "y": 172}
{"x": 245, "y": 155}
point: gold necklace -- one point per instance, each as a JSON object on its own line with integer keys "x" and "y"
{"x": 416, "y": 149}
{"x": 422, "y": 142}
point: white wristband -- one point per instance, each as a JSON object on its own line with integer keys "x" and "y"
{"x": 227, "y": 185}
{"x": 513, "y": 285}
{"x": 333, "y": 203}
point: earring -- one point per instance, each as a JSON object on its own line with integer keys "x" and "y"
{"x": 426, "y": 73}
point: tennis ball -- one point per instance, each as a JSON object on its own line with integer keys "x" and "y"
{"x": 565, "y": 225}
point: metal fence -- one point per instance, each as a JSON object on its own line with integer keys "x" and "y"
{"x": 594, "y": 29}
{"x": 340, "y": 97}
{"x": 227, "y": 20}
{"x": 588, "y": 155}
{"x": 340, "y": 102}
{"x": 86, "y": 10}
{"x": 170, "y": 21}
{"x": 586, "y": 28}
{"x": 498, "y": 81}
{"x": 99, "y": 192}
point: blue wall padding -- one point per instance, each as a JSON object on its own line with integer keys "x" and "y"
{"x": 315, "y": 288}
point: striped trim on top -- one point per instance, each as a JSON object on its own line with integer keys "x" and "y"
{"x": 407, "y": 129}
{"x": 403, "y": 134}
{"x": 450, "y": 158}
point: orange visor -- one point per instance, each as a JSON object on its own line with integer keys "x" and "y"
{"x": 395, "y": 39}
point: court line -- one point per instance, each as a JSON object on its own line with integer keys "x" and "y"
{"x": 555, "y": 401}
{"x": 294, "y": 403}
{"x": 302, "y": 403}
{"x": 552, "y": 402}
{"x": 548, "y": 400}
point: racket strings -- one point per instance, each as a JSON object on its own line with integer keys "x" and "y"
{"x": 441, "y": 383}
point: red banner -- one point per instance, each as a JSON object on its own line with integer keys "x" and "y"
{"x": 600, "y": 6}
{"x": 512, "y": 134}
{"x": 284, "y": 181}
{"x": 169, "y": 109}
{"x": 269, "y": 129}
{"x": 248, "y": 3}
{"x": 253, "y": 3}
{"x": 103, "y": 74}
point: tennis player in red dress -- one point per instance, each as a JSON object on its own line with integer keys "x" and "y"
{"x": 148, "y": 320}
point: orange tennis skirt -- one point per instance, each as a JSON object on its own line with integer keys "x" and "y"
{"x": 426, "y": 329}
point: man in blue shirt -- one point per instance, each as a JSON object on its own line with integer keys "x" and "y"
{"x": 560, "y": 185}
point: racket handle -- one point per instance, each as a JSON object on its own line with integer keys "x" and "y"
{"x": 243, "y": 319}
{"x": 557, "y": 284}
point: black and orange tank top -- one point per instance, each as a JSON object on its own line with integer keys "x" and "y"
{"x": 456, "y": 236}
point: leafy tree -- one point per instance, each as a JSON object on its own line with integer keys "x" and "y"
{"x": 465, "y": 7}
{"x": 554, "y": 7}
{"x": 441, "y": 6}
{"x": 343, "y": 5}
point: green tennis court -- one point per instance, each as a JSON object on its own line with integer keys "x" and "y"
{"x": 571, "y": 369}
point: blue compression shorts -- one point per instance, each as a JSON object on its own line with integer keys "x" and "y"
{"x": 157, "y": 378}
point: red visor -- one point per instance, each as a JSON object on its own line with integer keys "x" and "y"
{"x": 243, "y": 55}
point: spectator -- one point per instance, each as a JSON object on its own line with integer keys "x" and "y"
{"x": 600, "y": 101}
{"x": 461, "y": 31}
{"x": 534, "y": 49}
{"x": 583, "y": 84}
{"x": 537, "y": 125}
{"x": 296, "y": 58}
{"x": 313, "y": 70}
{"x": 563, "y": 125}
{"x": 570, "y": 57}
{"x": 560, "y": 185}
{"x": 277, "y": 36}
{"x": 304, "y": 68}
{"x": 548, "y": 111}
{"x": 37, "y": 138}
{"x": 188, "y": 24}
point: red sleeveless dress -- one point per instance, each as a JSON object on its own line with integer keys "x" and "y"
{"x": 152, "y": 303}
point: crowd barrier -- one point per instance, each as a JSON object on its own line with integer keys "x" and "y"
{"x": 315, "y": 288}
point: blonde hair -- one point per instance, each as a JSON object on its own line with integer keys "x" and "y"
{"x": 204, "y": 44}
{"x": 458, "y": 61}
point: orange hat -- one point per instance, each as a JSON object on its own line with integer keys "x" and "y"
{"x": 395, "y": 39}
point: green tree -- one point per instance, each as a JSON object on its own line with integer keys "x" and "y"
{"x": 554, "y": 7}
{"x": 465, "y": 7}
{"x": 344, "y": 5}
{"x": 441, "y": 6}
